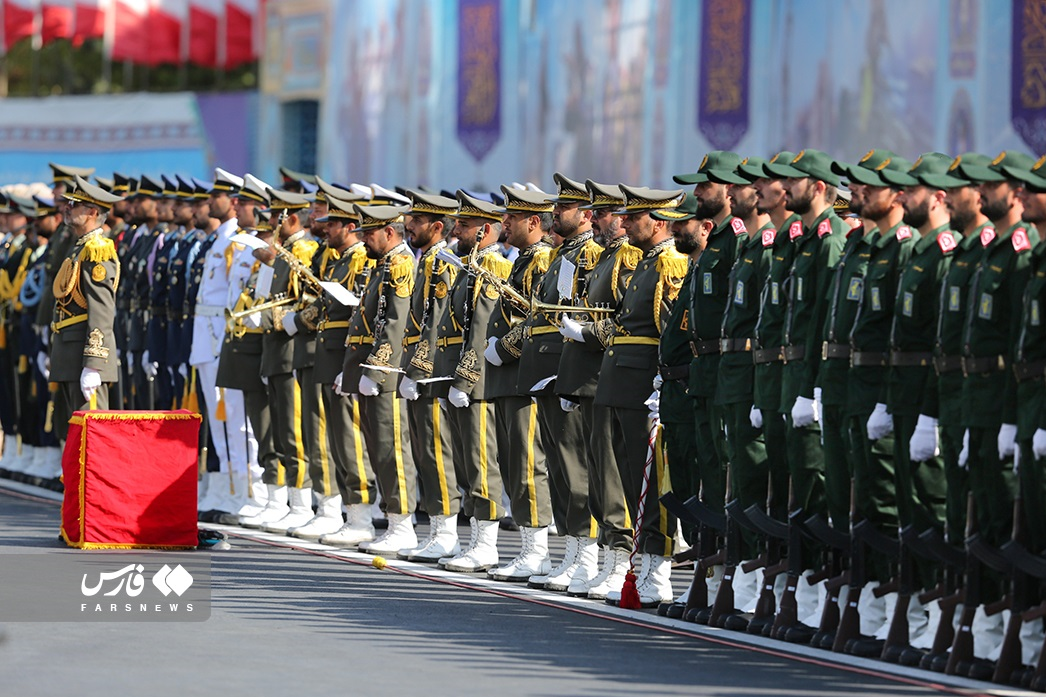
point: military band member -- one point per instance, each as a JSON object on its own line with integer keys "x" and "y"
{"x": 372, "y": 359}
{"x": 521, "y": 456}
{"x": 15, "y": 253}
{"x": 149, "y": 237}
{"x": 430, "y": 435}
{"x": 83, "y": 353}
{"x": 460, "y": 342}
{"x": 632, "y": 337}
{"x": 347, "y": 265}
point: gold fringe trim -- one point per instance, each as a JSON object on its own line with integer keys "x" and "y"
{"x": 539, "y": 264}
{"x": 98, "y": 249}
{"x": 183, "y": 415}
{"x": 304, "y": 250}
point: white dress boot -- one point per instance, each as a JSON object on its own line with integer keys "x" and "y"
{"x": 299, "y": 513}
{"x": 327, "y": 520}
{"x": 442, "y": 541}
{"x": 54, "y": 461}
{"x": 473, "y": 539}
{"x": 585, "y": 566}
{"x": 924, "y": 638}
{"x": 746, "y": 589}
{"x": 209, "y": 491}
{"x": 656, "y": 588}
{"x": 809, "y": 601}
{"x": 399, "y": 535}
{"x": 35, "y": 462}
{"x": 614, "y": 595}
{"x": 358, "y": 527}
{"x": 611, "y": 577}
{"x": 9, "y": 457}
{"x": 532, "y": 559}
{"x": 873, "y": 610}
{"x": 275, "y": 508}
{"x": 569, "y": 557}
{"x": 483, "y": 555}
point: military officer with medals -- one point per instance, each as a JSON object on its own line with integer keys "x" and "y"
{"x": 83, "y": 352}
{"x": 428, "y": 228}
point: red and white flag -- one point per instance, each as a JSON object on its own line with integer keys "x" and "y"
{"x": 165, "y": 21}
{"x": 19, "y": 17}
{"x": 203, "y": 31}
{"x": 241, "y": 45}
{"x": 130, "y": 30}
{"x": 56, "y": 20}
{"x": 88, "y": 20}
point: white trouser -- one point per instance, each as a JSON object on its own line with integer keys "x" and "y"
{"x": 234, "y": 441}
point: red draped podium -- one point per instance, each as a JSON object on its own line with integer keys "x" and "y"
{"x": 130, "y": 479}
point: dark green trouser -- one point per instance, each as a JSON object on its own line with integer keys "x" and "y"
{"x": 806, "y": 465}
{"x": 430, "y": 442}
{"x": 748, "y": 468}
{"x": 957, "y": 482}
{"x": 921, "y": 492}
{"x": 68, "y": 399}
{"x": 993, "y": 486}
{"x": 711, "y": 452}
{"x": 566, "y": 452}
{"x": 285, "y": 405}
{"x": 353, "y": 473}
{"x": 256, "y": 404}
{"x": 1032, "y": 477}
{"x": 838, "y": 468}
{"x": 681, "y": 449}
{"x": 384, "y": 422}
{"x": 521, "y": 458}
{"x": 775, "y": 437}
{"x": 656, "y": 526}
{"x": 476, "y": 447}
{"x": 606, "y": 493}
{"x": 313, "y": 433}
{"x": 874, "y": 490}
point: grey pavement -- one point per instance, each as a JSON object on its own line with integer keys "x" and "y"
{"x": 288, "y": 622}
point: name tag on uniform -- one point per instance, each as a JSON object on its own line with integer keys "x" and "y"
{"x": 706, "y": 283}
{"x": 1034, "y": 313}
{"x": 775, "y": 293}
{"x": 684, "y": 324}
{"x": 739, "y": 293}
{"x": 877, "y": 304}
{"x": 953, "y": 298}
{"x": 799, "y": 289}
{"x": 854, "y": 291}
{"x": 907, "y": 303}
{"x": 984, "y": 308}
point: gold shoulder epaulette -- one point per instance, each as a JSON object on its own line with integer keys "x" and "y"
{"x": 629, "y": 256}
{"x": 538, "y": 264}
{"x": 401, "y": 274}
{"x": 496, "y": 264}
{"x": 589, "y": 255}
{"x": 672, "y": 264}
{"x": 303, "y": 250}
{"x": 98, "y": 249}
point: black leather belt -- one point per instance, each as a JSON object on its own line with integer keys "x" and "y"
{"x": 674, "y": 372}
{"x": 1026, "y": 370}
{"x": 834, "y": 351}
{"x": 863, "y": 359}
{"x": 734, "y": 345}
{"x": 947, "y": 364}
{"x": 988, "y": 364}
{"x": 703, "y": 348}
{"x": 793, "y": 353}
{"x": 911, "y": 359}
{"x": 770, "y": 355}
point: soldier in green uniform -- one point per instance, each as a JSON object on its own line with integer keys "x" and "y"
{"x": 83, "y": 353}
{"x": 632, "y": 337}
{"x": 372, "y": 360}
{"x": 429, "y": 226}
{"x": 461, "y": 339}
{"x": 348, "y": 265}
{"x": 577, "y": 380}
{"x": 521, "y": 456}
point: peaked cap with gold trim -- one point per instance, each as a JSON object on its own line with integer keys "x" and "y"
{"x": 226, "y": 182}
{"x": 640, "y": 199}
{"x": 287, "y": 200}
{"x": 373, "y": 217}
{"x": 327, "y": 191}
{"x": 254, "y": 189}
{"x": 472, "y": 207}
{"x": 337, "y": 209}
{"x": 603, "y": 195}
{"x": 66, "y": 174}
{"x": 526, "y": 201}
{"x": 89, "y": 193}
{"x": 570, "y": 191}
{"x": 432, "y": 204}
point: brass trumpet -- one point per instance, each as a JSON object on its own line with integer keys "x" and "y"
{"x": 277, "y": 301}
{"x": 297, "y": 267}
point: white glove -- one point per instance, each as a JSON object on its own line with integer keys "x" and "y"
{"x": 368, "y": 388}
{"x": 442, "y": 402}
{"x": 756, "y": 417}
{"x": 149, "y": 367}
{"x": 1007, "y": 440}
{"x": 408, "y": 389}
{"x": 184, "y": 370}
{"x": 804, "y": 412}
{"x": 571, "y": 329}
{"x": 252, "y": 320}
{"x": 288, "y": 323}
{"x": 817, "y": 403}
{"x": 1016, "y": 461}
{"x": 964, "y": 454}
{"x": 337, "y": 385}
{"x": 924, "y": 443}
{"x": 90, "y": 381}
{"x": 265, "y": 380}
{"x": 43, "y": 364}
{"x": 294, "y": 374}
{"x": 658, "y": 381}
{"x": 491, "y": 352}
{"x": 653, "y": 405}
{"x": 1038, "y": 444}
{"x": 458, "y": 398}
{"x": 568, "y": 406}
{"x": 45, "y": 336}
{"x": 880, "y": 423}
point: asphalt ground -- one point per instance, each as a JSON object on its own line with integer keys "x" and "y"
{"x": 290, "y": 617}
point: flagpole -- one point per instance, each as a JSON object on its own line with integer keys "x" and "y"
{"x": 108, "y": 31}
{"x": 34, "y": 50}
{"x": 3, "y": 55}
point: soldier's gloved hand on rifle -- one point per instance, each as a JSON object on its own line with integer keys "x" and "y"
{"x": 458, "y": 398}
{"x": 571, "y": 329}
{"x": 653, "y": 405}
{"x": 150, "y": 368}
{"x": 1007, "y": 440}
{"x": 1038, "y": 444}
{"x": 90, "y": 381}
{"x": 756, "y": 417}
{"x": 368, "y": 388}
{"x": 568, "y": 406}
{"x": 964, "y": 454}
{"x": 658, "y": 382}
{"x": 804, "y": 412}
{"x": 491, "y": 352}
{"x": 408, "y": 389}
{"x": 43, "y": 364}
{"x": 925, "y": 442}
{"x": 880, "y": 423}
{"x": 288, "y": 323}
